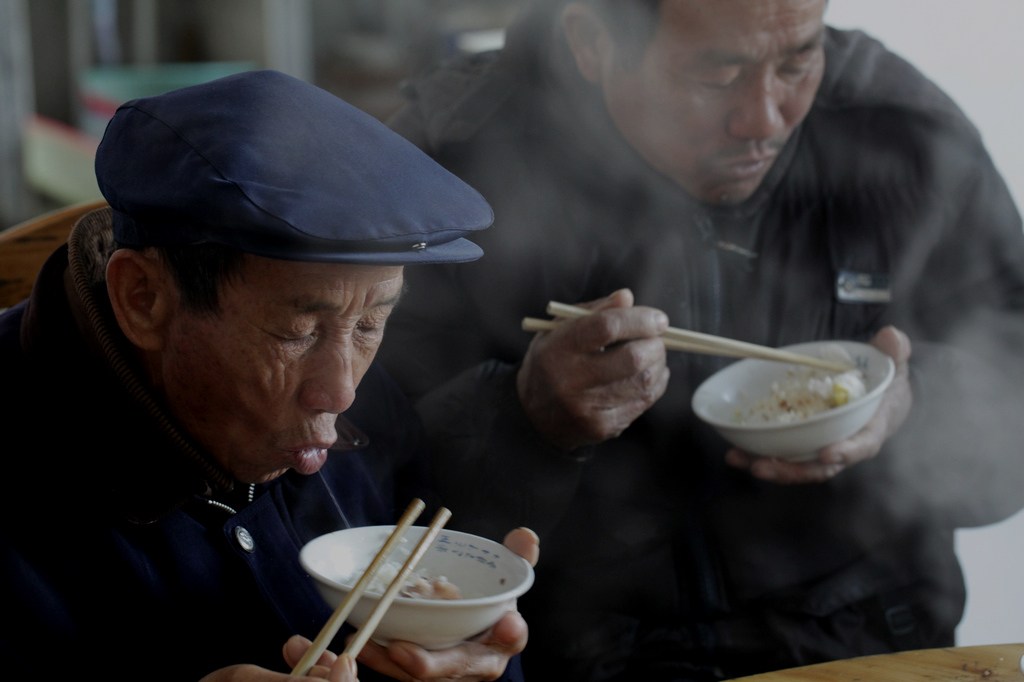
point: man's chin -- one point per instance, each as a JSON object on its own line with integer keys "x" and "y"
{"x": 267, "y": 478}
{"x": 725, "y": 184}
{"x": 306, "y": 461}
{"x": 730, "y": 193}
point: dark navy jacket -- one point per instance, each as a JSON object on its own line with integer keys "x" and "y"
{"x": 111, "y": 560}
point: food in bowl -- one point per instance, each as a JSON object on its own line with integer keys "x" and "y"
{"x": 804, "y": 392}
{"x": 419, "y": 584}
{"x": 728, "y": 399}
{"x": 428, "y": 587}
{"x": 339, "y": 564}
{"x": 489, "y": 577}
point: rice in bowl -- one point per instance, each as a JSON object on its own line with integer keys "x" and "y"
{"x": 804, "y": 392}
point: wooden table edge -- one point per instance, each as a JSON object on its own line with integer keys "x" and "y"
{"x": 990, "y": 662}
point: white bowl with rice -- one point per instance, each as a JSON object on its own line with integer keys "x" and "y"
{"x": 775, "y": 409}
{"x": 487, "y": 576}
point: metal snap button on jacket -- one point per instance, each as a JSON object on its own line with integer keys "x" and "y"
{"x": 244, "y": 539}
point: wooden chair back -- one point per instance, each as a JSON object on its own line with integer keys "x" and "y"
{"x": 25, "y": 247}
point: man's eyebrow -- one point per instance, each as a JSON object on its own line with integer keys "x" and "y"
{"x": 812, "y": 43}
{"x": 719, "y": 57}
{"x": 391, "y": 300}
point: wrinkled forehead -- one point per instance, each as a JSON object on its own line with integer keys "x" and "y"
{"x": 258, "y": 271}
{"x": 741, "y": 25}
{"x": 315, "y": 284}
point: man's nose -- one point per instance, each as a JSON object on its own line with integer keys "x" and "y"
{"x": 757, "y": 114}
{"x": 330, "y": 385}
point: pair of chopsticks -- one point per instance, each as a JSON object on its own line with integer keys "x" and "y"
{"x": 334, "y": 623}
{"x": 692, "y": 342}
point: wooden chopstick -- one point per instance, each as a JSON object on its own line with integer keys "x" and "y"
{"x": 697, "y": 342}
{"x": 533, "y": 324}
{"x": 337, "y": 619}
{"x": 365, "y": 630}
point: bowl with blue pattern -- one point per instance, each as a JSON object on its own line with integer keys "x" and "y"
{"x": 486, "y": 576}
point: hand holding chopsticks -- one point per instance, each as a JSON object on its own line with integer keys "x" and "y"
{"x": 337, "y": 619}
{"x": 693, "y": 342}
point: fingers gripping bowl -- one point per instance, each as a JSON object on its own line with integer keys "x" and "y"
{"x": 733, "y": 401}
{"x": 489, "y": 577}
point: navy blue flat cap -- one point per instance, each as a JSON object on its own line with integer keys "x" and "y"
{"x": 271, "y": 165}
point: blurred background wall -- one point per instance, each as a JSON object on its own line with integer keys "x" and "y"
{"x": 66, "y": 64}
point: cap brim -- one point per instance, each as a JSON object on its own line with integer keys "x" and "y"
{"x": 456, "y": 251}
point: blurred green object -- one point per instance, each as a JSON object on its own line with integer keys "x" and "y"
{"x": 104, "y": 88}
{"x": 58, "y": 161}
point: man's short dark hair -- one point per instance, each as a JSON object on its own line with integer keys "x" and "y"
{"x": 632, "y": 23}
{"x": 200, "y": 270}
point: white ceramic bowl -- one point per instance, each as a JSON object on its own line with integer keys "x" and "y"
{"x": 489, "y": 576}
{"x": 737, "y": 388}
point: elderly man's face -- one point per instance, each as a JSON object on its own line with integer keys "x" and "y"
{"x": 719, "y": 90}
{"x": 260, "y": 383}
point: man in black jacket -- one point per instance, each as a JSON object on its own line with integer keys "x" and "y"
{"x": 740, "y": 169}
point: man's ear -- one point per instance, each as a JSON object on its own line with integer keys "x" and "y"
{"x": 588, "y": 39}
{"x": 143, "y": 295}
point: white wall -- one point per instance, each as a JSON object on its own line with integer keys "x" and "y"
{"x": 974, "y": 49}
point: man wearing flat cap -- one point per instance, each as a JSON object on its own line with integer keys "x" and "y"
{"x": 174, "y": 387}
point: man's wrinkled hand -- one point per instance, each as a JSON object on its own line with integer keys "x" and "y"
{"x": 586, "y": 381}
{"x": 328, "y": 667}
{"x": 863, "y": 445}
